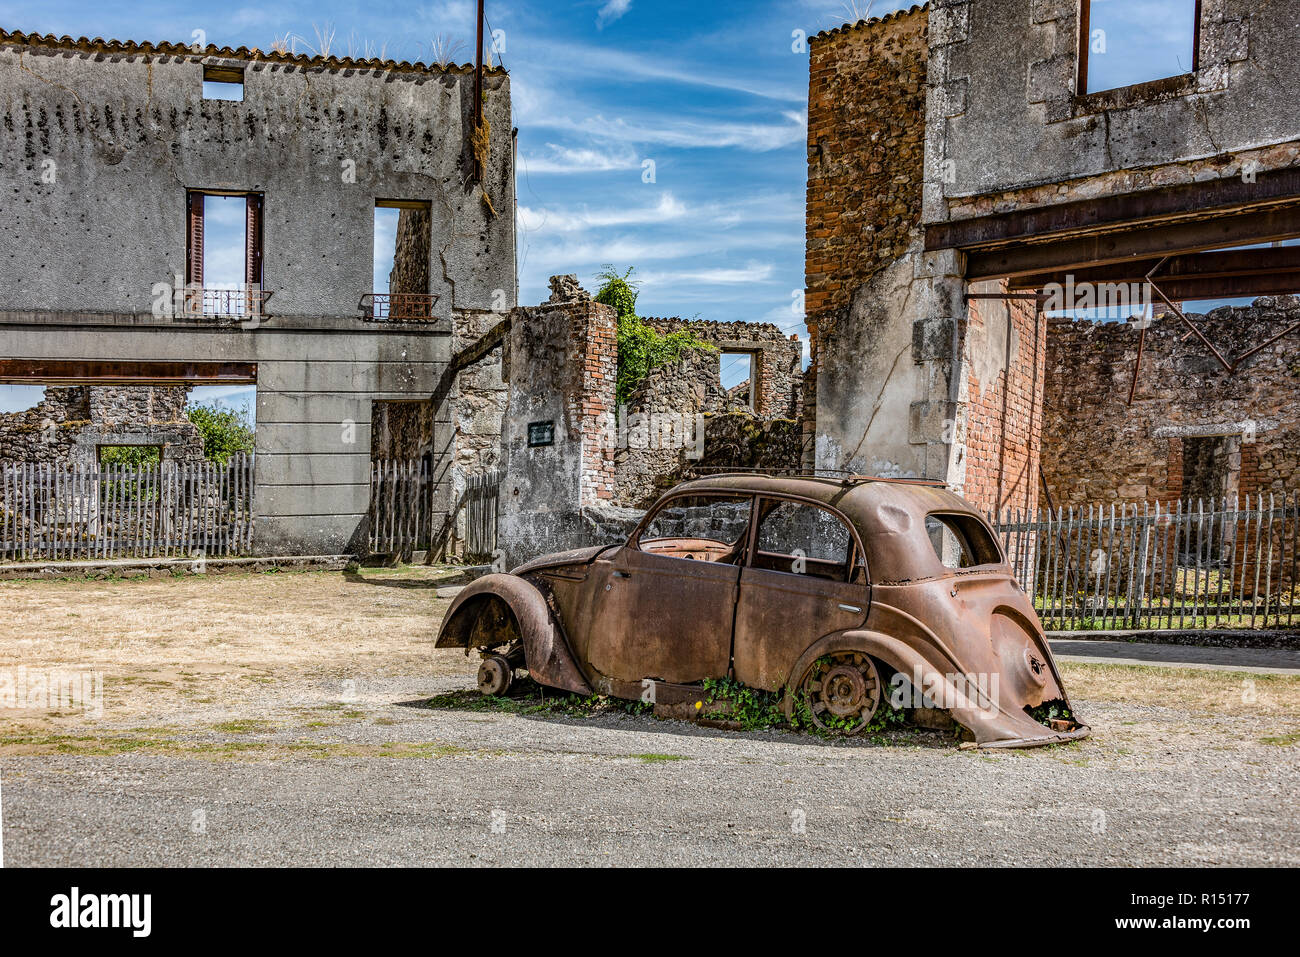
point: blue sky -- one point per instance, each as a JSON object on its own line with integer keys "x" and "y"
{"x": 710, "y": 97}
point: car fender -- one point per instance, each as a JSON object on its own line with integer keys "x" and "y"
{"x": 992, "y": 725}
{"x": 546, "y": 651}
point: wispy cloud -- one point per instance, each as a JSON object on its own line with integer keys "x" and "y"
{"x": 667, "y": 210}
{"x": 611, "y": 11}
{"x": 664, "y": 130}
{"x": 578, "y": 159}
{"x": 753, "y": 272}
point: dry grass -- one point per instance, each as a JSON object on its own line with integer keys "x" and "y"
{"x": 210, "y": 649}
{"x": 1193, "y": 690}
{"x": 171, "y": 642}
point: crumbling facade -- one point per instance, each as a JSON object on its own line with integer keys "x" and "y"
{"x": 1192, "y": 432}
{"x": 577, "y": 469}
{"x": 957, "y": 168}
{"x": 71, "y": 425}
{"x": 681, "y": 418}
{"x": 109, "y": 154}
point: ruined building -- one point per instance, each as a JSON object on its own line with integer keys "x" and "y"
{"x": 75, "y": 423}
{"x": 113, "y": 153}
{"x": 959, "y": 164}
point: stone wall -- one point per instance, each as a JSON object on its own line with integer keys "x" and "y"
{"x": 1187, "y": 408}
{"x": 681, "y": 418}
{"x": 117, "y": 132}
{"x": 70, "y": 424}
{"x": 557, "y": 462}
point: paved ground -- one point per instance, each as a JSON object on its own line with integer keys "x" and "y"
{"x": 1254, "y": 660}
{"x": 242, "y": 727}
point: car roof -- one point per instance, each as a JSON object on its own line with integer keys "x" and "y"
{"x": 888, "y": 513}
{"x": 859, "y": 497}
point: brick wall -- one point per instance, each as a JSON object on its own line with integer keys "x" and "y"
{"x": 595, "y": 345}
{"x": 1004, "y": 413}
{"x": 1097, "y": 448}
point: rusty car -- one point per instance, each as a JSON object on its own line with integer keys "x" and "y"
{"x": 835, "y": 592}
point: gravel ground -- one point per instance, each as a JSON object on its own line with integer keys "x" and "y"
{"x": 331, "y": 757}
{"x": 495, "y": 788}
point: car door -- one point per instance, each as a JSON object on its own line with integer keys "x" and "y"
{"x": 804, "y": 579}
{"x": 668, "y": 605}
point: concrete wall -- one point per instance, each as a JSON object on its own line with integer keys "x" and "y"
{"x": 97, "y": 153}
{"x": 968, "y": 108}
{"x": 563, "y": 357}
{"x": 316, "y": 381}
{"x": 1004, "y": 117}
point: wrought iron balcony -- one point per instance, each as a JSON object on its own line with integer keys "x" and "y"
{"x": 397, "y": 307}
{"x": 226, "y": 303}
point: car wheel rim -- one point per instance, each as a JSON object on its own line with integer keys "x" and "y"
{"x": 494, "y": 676}
{"x": 843, "y": 692}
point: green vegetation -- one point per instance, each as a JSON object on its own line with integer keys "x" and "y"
{"x": 225, "y": 431}
{"x": 756, "y": 710}
{"x": 133, "y": 456}
{"x": 641, "y": 347}
{"x": 1282, "y": 740}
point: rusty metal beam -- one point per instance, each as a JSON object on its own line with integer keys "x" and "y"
{"x": 1119, "y": 212}
{"x": 1136, "y": 243}
{"x": 1226, "y": 264}
{"x": 111, "y": 372}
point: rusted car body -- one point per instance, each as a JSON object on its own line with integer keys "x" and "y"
{"x": 824, "y": 589}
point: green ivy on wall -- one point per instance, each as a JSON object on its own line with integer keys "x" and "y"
{"x": 641, "y": 347}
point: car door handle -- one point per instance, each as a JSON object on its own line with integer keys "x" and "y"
{"x": 853, "y": 608}
{"x": 622, "y": 574}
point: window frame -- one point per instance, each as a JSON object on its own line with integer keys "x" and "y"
{"x": 1081, "y": 90}
{"x": 196, "y": 245}
{"x": 634, "y": 541}
{"x": 857, "y": 554}
{"x": 958, "y": 531}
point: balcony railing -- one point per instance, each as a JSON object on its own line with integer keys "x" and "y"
{"x": 397, "y": 307}
{"x": 226, "y": 303}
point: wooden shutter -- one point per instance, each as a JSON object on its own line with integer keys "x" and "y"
{"x": 253, "y": 240}
{"x": 194, "y": 252}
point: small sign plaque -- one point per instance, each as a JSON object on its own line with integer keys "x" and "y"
{"x": 541, "y": 433}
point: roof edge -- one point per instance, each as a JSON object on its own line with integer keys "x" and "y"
{"x": 100, "y": 46}
{"x": 873, "y": 21}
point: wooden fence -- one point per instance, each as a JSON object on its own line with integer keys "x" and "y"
{"x": 55, "y": 512}
{"x": 1227, "y": 564}
{"x": 482, "y": 496}
{"x": 402, "y": 514}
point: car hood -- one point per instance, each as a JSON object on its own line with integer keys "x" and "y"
{"x": 574, "y": 556}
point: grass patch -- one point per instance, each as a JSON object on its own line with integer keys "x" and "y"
{"x": 244, "y": 726}
{"x": 1282, "y": 740}
{"x": 652, "y": 758}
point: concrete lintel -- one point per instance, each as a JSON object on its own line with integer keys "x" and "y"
{"x": 1245, "y": 427}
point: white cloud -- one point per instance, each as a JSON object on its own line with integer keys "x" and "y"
{"x": 696, "y": 134}
{"x": 578, "y": 159}
{"x": 666, "y": 210}
{"x": 611, "y": 11}
{"x": 753, "y": 272}
{"x": 612, "y": 62}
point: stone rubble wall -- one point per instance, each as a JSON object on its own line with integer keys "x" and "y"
{"x": 1099, "y": 449}
{"x": 70, "y": 424}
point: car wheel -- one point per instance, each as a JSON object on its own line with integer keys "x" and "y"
{"x": 842, "y": 691}
{"x": 495, "y": 675}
